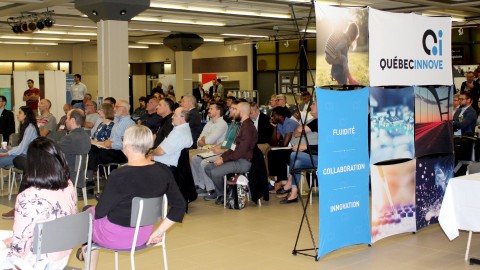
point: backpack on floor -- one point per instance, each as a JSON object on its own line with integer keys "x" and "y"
{"x": 237, "y": 190}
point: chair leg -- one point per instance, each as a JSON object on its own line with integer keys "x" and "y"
{"x": 164, "y": 250}
{"x": 225, "y": 191}
{"x": 132, "y": 260}
{"x": 84, "y": 193}
{"x": 98, "y": 179}
{"x": 116, "y": 260}
{"x": 311, "y": 186}
{"x": 11, "y": 187}
{"x": 468, "y": 245}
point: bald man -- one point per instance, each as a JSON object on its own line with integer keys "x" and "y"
{"x": 238, "y": 158}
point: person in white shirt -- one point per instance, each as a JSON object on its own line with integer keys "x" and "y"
{"x": 78, "y": 89}
{"x": 168, "y": 152}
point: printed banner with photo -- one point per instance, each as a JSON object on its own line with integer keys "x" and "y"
{"x": 391, "y": 124}
{"x": 433, "y": 130}
{"x": 6, "y": 89}
{"x": 393, "y": 199}
{"x": 343, "y": 169}
{"x": 409, "y": 49}
{"x": 342, "y": 45}
{"x": 432, "y": 178}
{"x": 70, "y": 80}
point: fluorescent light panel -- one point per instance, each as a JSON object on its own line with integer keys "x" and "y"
{"x": 45, "y": 38}
{"x": 152, "y": 19}
{"x": 150, "y": 42}
{"x": 66, "y": 33}
{"x": 138, "y": 46}
{"x": 223, "y": 11}
{"x": 213, "y": 39}
{"x": 241, "y": 35}
{"x": 28, "y": 43}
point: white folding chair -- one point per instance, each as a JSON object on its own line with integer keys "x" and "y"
{"x": 106, "y": 171}
{"x": 14, "y": 172}
{"x": 144, "y": 212}
{"x": 62, "y": 234}
{"x": 81, "y": 162}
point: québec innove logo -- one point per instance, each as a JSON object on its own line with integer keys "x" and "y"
{"x": 434, "y": 49}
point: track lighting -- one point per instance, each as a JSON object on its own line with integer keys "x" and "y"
{"x": 32, "y": 22}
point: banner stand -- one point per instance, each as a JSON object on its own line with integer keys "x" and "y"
{"x": 313, "y": 169}
{"x": 296, "y": 251}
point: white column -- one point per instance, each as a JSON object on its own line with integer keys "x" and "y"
{"x": 112, "y": 48}
{"x": 183, "y": 70}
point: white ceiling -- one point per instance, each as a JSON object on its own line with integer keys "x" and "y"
{"x": 257, "y": 20}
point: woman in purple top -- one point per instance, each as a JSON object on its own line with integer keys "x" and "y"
{"x": 141, "y": 177}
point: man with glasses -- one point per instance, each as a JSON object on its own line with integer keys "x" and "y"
{"x": 91, "y": 115}
{"x": 110, "y": 151}
{"x": 7, "y": 122}
{"x": 465, "y": 117}
{"x": 472, "y": 87}
{"x": 168, "y": 152}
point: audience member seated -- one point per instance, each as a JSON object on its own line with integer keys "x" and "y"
{"x": 48, "y": 195}
{"x": 172, "y": 97}
{"x": 110, "y": 151}
{"x": 165, "y": 110}
{"x": 281, "y": 136}
{"x": 179, "y": 138}
{"x": 105, "y": 125}
{"x": 205, "y": 105}
{"x": 195, "y": 123}
{"x": 92, "y": 116}
{"x": 28, "y": 132}
{"x": 110, "y": 100}
{"x": 303, "y": 158}
{"x": 282, "y": 102}
{"x": 228, "y": 104}
{"x": 141, "y": 110}
{"x": 61, "y": 123}
{"x": 203, "y": 183}
{"x": 263, "y": 126}
{"x": 46, "y": 122}
{"x": 238, "y": 158}
{"x": 82, "y": 105}
{"x": 465, "y": 117}
{"x": 140, "y": 178}
{"x": 213, "y": 132}
{"x": 151, "y": 119}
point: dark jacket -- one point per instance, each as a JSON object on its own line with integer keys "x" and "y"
{"x": 77, "y": 142}
{"x": 195, "y": 124}
{"x": 257, "y": 177}
{"x": 7, "y": 124}
{"x": 264, "y": 129}
{"x": 165, "y": 127}
{"x": 467, "y": 122}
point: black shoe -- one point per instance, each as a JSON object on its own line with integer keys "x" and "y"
{"x": 97, "y": 196}
{"x": 219, "y": 200}
{"x": 283, "y": 191}
{"x": 287, "y": 201}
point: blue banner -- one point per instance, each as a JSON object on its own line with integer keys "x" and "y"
{"x": 70, "y": 81}
{"x": 343, "y": 169}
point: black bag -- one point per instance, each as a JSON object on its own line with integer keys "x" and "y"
{"x": 236, "y": 194}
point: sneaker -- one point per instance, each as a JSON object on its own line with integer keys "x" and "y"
{"x": 9, "y": 215}
{"x": 201, "y": 192}
{"x": 211, "y": 197}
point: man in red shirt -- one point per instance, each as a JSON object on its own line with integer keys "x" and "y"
{"x": 31, "y": 96}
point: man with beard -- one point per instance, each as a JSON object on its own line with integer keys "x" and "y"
{"x": 236, "y": 159}
{"x": 203, "y": 182}
{"x": 465, "y": 117}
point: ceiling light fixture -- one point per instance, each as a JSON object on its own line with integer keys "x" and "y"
{"x": 32, "y": 22}
{"x": 242, "y": 35}
{"x": 460, "y": 31}
{"x": 138, "y": 46}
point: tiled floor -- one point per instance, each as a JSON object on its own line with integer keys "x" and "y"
{"x": 263, "y": 238}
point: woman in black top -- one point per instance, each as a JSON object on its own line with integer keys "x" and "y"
{"x": 139, "y": 178}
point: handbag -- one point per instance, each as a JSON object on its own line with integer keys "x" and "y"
{"x": 237, "y": 190}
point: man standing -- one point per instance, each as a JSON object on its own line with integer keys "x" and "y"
{"x": 151, "y": 119}
{"x": 238, "y": 158}
{"x": 220, "y": 89}
{"x": 92, "y": 115}
{"x": 188, "y": 102}
{"x": 473, "y": 87}
{"x": 465, "y": 117}
{"x": 77, "y": 142}
{"x": 168, "y": 152}
{"x": 157, "y": 89}
{"x": 198, "y": 92}
{"x": 213, "y": 89}
{"x": 110, "y": 151}
{"x": 78, "y": 89}
{"x": 7, "y": 123}
{"x": 31, "y": 96}
{"x": 46, "y": 122}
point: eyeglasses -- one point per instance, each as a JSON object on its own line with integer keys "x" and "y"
{"x": 462, "y": 99}
{"x": 118, "y": 106}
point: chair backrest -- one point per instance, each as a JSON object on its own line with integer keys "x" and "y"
{"x": 13, "y": 139}
{"x": 473, "y": 168}
{"x": 149, "y": 209}
{"x": 63, "y": 233}
{"x": 81, "y": 162}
